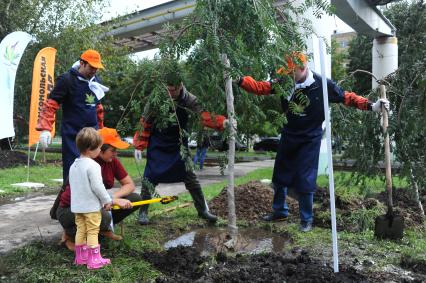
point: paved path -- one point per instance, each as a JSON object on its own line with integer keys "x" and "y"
{"x": 28, "y": 220}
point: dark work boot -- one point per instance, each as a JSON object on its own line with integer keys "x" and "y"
{"x": 201, "y": 205}
{"x": 143, "y": 215}
{"x": 146, "y": 195}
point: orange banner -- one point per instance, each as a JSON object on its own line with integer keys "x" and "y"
{"x": 43, "y": 81}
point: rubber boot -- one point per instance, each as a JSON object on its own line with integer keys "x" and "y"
{"x": 146, "y": 195}
{"x": 201, "y": 205}
{"x": 143, "y": 215}
{"x": 81, "y": 254}
{"x": 95, "y": 260}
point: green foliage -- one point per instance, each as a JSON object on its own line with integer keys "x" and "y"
{"x": 70, "y": 27}
{"x": 360, "y": 59}
{"x": 406, "y": 89}
{"x": 338, "y": 58}
{"x": 254, "y": 35}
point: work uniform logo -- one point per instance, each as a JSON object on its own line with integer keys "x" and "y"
{"x": 90, "y": 99}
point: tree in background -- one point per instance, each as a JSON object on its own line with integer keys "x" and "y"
{"x": 70, "y": 27}
{"x": 406, "y": 89}
{"x": 338, "y": 61}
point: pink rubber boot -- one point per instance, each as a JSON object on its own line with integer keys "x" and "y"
{"x": 95, "y": 260}
{"x": 81, "y": 254}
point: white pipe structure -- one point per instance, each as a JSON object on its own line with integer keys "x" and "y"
{"x": 330, "y": 156}
{"x": 385, "y": 57}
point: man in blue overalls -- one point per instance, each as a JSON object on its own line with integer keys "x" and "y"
{"x": 296, "y": 163}
{"x": 79, "y": 92}
{"x": 164, "y": 161}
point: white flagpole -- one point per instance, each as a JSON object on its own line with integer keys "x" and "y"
{"x": 329, "y": 155}
{"x": 35, "y": 152}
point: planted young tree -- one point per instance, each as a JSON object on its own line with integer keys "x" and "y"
{"x": 254, "y": 35}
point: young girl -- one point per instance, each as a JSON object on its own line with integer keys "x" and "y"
{"x": 88, "y": 196}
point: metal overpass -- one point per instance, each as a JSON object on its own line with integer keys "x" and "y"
{"x": 143, "y": 29}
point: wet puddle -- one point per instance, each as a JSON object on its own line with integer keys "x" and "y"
{"x": 250, "y": 241}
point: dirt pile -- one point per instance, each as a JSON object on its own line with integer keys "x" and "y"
{"x": 252, "y": 200}
{"x": 10, "y": 158}
{"x": 183, "y": 264}
{"x": 356, "y": 213}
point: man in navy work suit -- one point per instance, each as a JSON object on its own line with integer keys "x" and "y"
{"x": 79, "y": 92}
{"x": 296, "y": 163}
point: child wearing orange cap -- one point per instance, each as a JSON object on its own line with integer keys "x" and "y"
{"x": 296, "y": 163}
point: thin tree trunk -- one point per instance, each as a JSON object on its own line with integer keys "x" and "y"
{"x": 416, "y": 192}
{"x": 232, "y": 218}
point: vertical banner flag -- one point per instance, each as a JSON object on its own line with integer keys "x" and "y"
{"x": 11, "y": 49}
{"x": 43, "y": 74}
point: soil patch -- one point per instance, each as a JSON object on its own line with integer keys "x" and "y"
{"x": 252, "y": 201}
{"x": 185, "y": 264}
{"x": 9, "y": 158}
{"x": 416, "y": 265}
{"x": 347, "y": 209}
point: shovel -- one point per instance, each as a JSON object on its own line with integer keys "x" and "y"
{"x": 388, "y": 226}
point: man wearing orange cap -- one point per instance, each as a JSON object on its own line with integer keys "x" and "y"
{"x": 79, "y": 92}
{"x": 112, "y": 170}
{"x": 296, "y": 163}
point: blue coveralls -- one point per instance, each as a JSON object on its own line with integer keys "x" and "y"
{"x": 164, "y": 162}
{"x": 296, "y": 163}
{"x": 78, "y": 111}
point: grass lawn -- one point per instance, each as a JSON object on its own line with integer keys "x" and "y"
{"x": 128, "y": 264}
{"x": 44, "y": 173}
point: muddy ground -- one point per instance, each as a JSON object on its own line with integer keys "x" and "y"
{"x": 254, "y": 199}
{"x": 187, "y": 265}
{"x": 10, "y": 159}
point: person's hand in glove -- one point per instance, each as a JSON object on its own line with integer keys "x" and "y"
{"x": 45, "y": 139}
{"x": 377, "y": 106}
{"x": 138, "y": 155}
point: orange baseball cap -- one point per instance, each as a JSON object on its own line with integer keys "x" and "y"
{"x": 93, "y": 58}
{"x": 291, "y": 65}
{"x": 111, "y": 137}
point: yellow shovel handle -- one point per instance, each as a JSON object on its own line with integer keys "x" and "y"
{"x": 163, "y": 200}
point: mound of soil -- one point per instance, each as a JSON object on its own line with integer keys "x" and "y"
{"x": 185, "y": 264}
{"x": 9, "y": 158}
{"x": 252, "y": 200}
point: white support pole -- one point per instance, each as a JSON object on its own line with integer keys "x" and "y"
{"x": 35, "y": 152}
{"x": 330, "y": 156}
{"x": 385, "y": 58}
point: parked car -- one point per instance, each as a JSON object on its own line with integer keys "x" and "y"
{"x": 218, "y": 142}
{"x": 267, "y": 144}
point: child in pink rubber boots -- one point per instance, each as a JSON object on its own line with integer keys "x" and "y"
{"x": 88, "y": 196}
